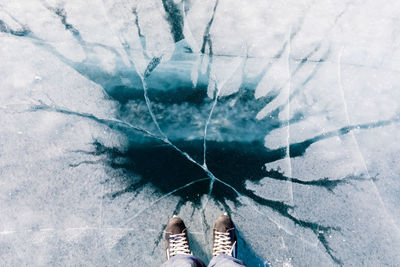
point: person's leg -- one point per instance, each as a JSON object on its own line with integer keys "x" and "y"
{"x": 224, "y": 243}
{"x": 182, "y": 260}
{"x": 177, "y": 246}
{"x": 224, "y": 260}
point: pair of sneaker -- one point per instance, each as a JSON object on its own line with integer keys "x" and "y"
{"x": 224, "y": 237}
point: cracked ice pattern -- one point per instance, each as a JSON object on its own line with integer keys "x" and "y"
{"x": 117, "y": 114}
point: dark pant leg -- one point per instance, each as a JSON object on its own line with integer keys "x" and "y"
{"x": 225, "y": 261}
{"x": 182, "y": 260}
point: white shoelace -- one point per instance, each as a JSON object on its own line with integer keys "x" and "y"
{"x": 222, "y": 244}
{"x": 178, "y": 245}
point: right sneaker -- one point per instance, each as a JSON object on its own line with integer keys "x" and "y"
{"x": 176, "y": 238}
{"x": 224, "y": 237}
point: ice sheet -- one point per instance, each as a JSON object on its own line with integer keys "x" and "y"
{"x": 115, "y": 115}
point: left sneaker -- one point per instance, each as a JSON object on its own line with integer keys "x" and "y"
{"x": 176, "y": 238}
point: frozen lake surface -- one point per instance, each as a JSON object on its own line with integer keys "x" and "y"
{"x": 115, "y": 115}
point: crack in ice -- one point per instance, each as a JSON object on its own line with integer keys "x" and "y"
{"x": 339, "y": 71}
{"x": 288, "y": 116}
{"x": 164, "y": 196}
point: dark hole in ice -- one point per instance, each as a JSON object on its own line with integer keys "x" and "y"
{"x": 188, "y": 94}
{"x": 167, "y": 169}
